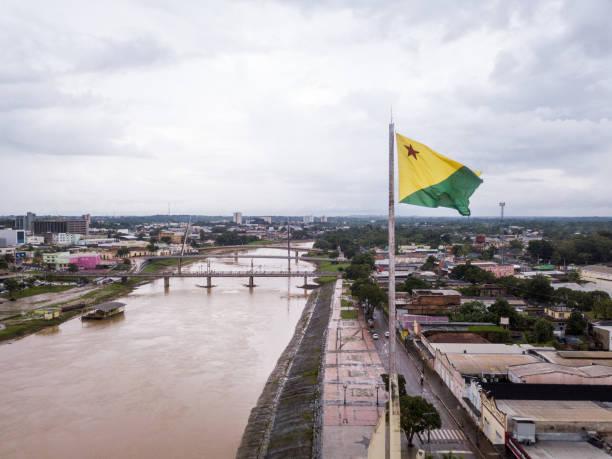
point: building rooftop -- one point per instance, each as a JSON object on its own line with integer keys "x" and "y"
{"x": 575, "y": 358}
{"x": 439, "y": 292}
{"x": 579, "y": 411}
{"x": 554, "y": 449}
{"x": 476, "y": 364}
{"x": 538, "y": 368}
{"x": 598, "y": 269}
{"x": 479, "y": 348}
{"x": 540, "y": 392}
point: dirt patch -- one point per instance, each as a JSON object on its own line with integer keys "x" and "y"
{"x": 457, "y": 338}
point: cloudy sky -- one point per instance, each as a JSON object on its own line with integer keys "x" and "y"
{"x": 282, "y": 107}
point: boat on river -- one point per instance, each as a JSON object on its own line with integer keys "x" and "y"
{"x": 104, "y": 311}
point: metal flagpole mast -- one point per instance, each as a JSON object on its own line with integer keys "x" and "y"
{"x": 392, "y": 369}
{"x": 395, "y": 449}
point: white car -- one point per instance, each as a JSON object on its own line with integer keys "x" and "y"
{"x": 375, "y": 336}
{"x": 387, "y": 334}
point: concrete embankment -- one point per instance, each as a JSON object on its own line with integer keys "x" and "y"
{"x": 286, "y": 422}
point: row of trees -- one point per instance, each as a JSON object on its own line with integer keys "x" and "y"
{"x": 580, "y": 249}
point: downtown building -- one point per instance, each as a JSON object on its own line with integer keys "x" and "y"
{"x": 71, "y": 225}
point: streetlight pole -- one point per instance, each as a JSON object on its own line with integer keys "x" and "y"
{"x": 345, "y": 386}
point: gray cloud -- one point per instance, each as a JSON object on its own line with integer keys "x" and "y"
{"x": 282, "y": 107}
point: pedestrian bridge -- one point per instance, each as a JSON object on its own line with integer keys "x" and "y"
{"x": 209, "y": 275}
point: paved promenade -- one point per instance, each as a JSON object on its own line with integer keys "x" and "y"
{"x": 350, "y": 413}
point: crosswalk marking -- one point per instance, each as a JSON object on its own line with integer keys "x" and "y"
{"x": 445, "y": 436}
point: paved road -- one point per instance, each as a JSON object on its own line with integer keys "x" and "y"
{"x": 459, "y": 437}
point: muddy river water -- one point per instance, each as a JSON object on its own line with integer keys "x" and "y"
{"x": 176, "y": 376}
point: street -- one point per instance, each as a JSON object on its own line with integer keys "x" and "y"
{"x": 458, "y": 433}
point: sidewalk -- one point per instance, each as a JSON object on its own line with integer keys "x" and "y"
{"x": 350, "y": 413}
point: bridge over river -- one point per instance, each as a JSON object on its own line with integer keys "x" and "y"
{"x": 209, "y": 275}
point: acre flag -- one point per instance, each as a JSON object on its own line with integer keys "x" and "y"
{"x": 428, "y": 179}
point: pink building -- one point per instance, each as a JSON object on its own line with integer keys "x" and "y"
{"x": 497, "y": 270}
{"x": 86, "y": 260}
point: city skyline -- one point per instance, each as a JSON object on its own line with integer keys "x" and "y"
{"x": 122, "y": 108}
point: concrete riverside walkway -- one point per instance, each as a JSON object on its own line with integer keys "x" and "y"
{"x": 350, "y": 414}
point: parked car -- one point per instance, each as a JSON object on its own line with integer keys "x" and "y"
{"x": 387, "y": 334}
{"x": 374, "y": 335}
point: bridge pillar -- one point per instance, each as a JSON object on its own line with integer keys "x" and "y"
{"x": 305, "y": 281}
{"x": 296, "y": 255}
{"x": 180, "y": 265}
{"x": 251, "y": 283}
{"x": 208, "y": 282}
{"x": 166, "y": 282}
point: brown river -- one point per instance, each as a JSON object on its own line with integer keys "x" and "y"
{"x": 175, "y": 376}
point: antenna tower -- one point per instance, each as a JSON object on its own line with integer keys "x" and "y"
{"x": 501, "y": 230}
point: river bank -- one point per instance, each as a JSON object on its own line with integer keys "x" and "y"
{"x": 21, "y": 320}
{"x": 286, "y": 422}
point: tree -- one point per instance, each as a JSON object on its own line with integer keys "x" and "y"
{"x": 123, "y": 252}
{"x": 368, "y": 291}
{"x": 602, "y": 309}
{"x": 540, "y": 250}
{"x": 364, "y": 259}
{"x": 516, "y": 244}
{"x": 412, "y": 283}
{"x": 401, "y": 383}
{"x": 542, "y": 331}
{"x": 475, "y": 311}
{"x": 166, "y": 239}
{"x": 3, "y": 263}
{"x": 539, "y": 289}
{"x": 501, "y": 308}
{"x": 573, "y": 276}
{"x": 73, "y": 267}
{"x": 10, "y": 258}
{"x": 354, "y": 272}
{"x": 575, "y": 324}
{"x": 417, "y": 415}
{"x": 430, "y": 264}
{"x": 127, "y": 262}
{"x": 12, "y": 286}
{"x": 472, "y": 274}
{"x": 151, "y": 247}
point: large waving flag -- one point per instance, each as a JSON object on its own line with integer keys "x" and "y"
{"x": 428, "y": 179}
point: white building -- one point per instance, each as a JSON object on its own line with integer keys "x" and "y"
{"x": 35, "y": 240}
{"x": 65, "y": 238}
{"x": 11, "y": 237}
{"x": 308, "y": 219}
{"x": 237, "y": 218}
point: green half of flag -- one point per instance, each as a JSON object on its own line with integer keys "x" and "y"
{"x": 428, "y": 179}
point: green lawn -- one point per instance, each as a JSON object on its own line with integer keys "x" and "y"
{"x": 485, "y": 329}
{"x": 160, "y": 265}
{"x": 350, "y": 314}
{"x": 38, "y": 290}
{"x": 346, "y": 303}
{"x": 328, "y": 266}
{"x": 263, "y": 242}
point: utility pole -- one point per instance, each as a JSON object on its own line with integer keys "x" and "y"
{"x": 501, "y": 230}
{"x": 288, "y": 245}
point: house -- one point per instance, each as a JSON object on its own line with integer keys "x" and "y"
{"x": 558, "y": 313}
{"x": 433, "y": 302}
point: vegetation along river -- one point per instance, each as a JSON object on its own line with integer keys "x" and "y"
{"x": 176, "y": 376}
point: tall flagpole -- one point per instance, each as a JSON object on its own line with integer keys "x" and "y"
{"x": 395, "y": 448}
{"x": 392, "y": 369}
